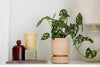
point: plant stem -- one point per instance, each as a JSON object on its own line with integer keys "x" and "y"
{"x": 79, "y": 45}
{"x": 79, "y": 51}
{"x": 49, "y": 24}
{"x": 66, "y": 21}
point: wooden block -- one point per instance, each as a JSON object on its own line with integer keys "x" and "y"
{"x": 60, "y": 60}
{"x": 30, "y": 54}
{"x": 27, "y": 62}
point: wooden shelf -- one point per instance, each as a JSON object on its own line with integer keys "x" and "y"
{"x": 49, "y": 62}
{"x": 27, "y": 62}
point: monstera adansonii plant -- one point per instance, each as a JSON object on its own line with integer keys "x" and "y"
{"x": 60, "y": 28}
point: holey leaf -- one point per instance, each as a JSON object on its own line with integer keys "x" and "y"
{"x": 73, "y": 30}
{"x": 45, "y": 36}
{"x": 80, "y": 38}
{"x": 79, "y": 20}
{"x": 63, "y": 13}
{"x": 90, "y": 53}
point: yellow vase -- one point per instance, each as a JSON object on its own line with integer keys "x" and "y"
{"x": 30, "y": 41}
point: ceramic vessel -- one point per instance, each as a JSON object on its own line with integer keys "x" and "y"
{"x": 18, "y": 51}
{"x": 30, "y": 41}
{"x": 60, "y": 50}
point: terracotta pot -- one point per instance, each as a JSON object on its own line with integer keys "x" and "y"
{"x": 60, "y": 50}
{"x": 30, "y": 41}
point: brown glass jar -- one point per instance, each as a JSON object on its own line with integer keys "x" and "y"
{"x": 18, "y": 51}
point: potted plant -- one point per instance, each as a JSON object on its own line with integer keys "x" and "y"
{"x": 60, "y": 29}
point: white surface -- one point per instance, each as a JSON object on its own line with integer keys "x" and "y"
{"x": 72, "y": 62}
{"x": 79, "y": 62}
{"x": 4, "y": 30}
{"x": 57, "y": 65}
{"x": 90, "y": 10}
{"x": 24, "y": 16}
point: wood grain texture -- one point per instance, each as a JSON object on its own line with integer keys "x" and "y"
{"x": 27, "y": 62}
{"x": 60, "y": 60}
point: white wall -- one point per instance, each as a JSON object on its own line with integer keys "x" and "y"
{"x": 89, "y": 9}
{"x": 4, "y": 30}
{"x": 24, "y": 16}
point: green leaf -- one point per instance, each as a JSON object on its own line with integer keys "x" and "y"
{"x": 80, "y": 38}
{"x": 45, "y": 36}
{"x": 54, "y": 35}
{"x": 47, "y": 18}
{"x": 90, "y": 54}
{"x": 79, "y": 20}
{"x": 54, "y": 15}
{"x": 74, "y": 28}
{"x": 62, "y": 35}
{"x": 63, "y": 13}
{"x": 88, "y": 39}
{"x": 55, "y": 23}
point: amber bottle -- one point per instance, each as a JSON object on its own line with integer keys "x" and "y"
{"x": 18, "y": 51}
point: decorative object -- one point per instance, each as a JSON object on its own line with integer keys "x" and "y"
{"x": 61, "y": 29}
{"x": 18, "y": 51}
{"x": 30, "y": 45}
{"x": 30, "y": 54}
{"x": 91, "y": 16}
{"x": 22, "y": 56}
{"x": 30, "y": 41}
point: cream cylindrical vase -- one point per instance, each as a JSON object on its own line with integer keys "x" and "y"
{"x": 60, "y": 50}
{"x": 30, "y": 41}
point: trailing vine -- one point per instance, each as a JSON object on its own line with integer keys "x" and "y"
{"x": 61, "y": 29}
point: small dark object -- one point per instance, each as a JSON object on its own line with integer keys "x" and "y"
{"x": 18, "y": 51}
{"x": 18, "y": 42}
